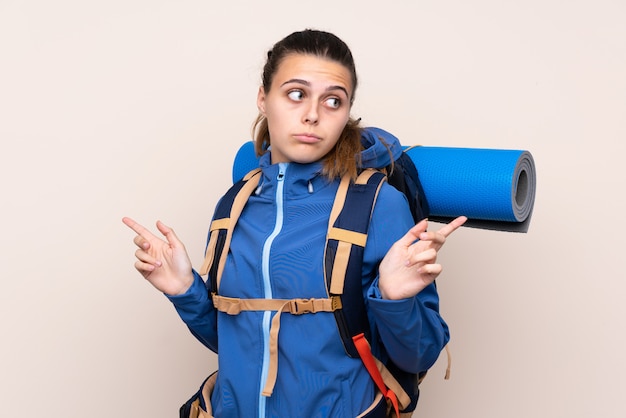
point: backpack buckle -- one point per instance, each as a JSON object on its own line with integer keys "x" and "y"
{"x": 301, "y": 306}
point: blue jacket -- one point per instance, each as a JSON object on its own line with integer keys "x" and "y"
{"x": 277, "y": 252}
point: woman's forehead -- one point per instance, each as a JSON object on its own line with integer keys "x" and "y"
{"x": 318, "y": 71}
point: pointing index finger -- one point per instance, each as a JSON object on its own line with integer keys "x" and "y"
{"x": 452, "y": 226}
{"x": 139, "y": 229}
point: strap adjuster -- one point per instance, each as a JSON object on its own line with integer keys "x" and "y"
{"x": 335, "y": 302}
{"x": 301, "y": 306}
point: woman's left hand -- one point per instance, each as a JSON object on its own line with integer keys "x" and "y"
{"x": 410, "y": 265}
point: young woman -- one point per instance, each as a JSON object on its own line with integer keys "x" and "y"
{"x": 307, "y": 142}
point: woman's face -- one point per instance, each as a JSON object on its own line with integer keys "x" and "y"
{"x": 307, "y": 107}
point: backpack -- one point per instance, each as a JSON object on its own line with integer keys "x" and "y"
{"x": 345, "y": 242}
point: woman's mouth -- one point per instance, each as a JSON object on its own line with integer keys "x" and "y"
{"x": 307, "y": 138}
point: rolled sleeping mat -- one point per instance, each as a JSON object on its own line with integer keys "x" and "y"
{"x": 494, "y": 188}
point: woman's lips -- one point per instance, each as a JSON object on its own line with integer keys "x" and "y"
{"x": 307, "y": 138}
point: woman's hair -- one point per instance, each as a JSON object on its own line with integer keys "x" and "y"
{"x": 342, "y": 159}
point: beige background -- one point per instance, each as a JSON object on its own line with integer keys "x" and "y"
{"x": 136, "y": 107}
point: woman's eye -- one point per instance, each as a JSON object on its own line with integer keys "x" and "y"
{"x": 333, "y": 102}
{"x": 296, "y": 95}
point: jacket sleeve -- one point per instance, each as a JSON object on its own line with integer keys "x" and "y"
{"x": 195, "y": 308}
{"x": 411, "y": 331}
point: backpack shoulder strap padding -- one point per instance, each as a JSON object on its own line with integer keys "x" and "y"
{"x": 348, "y": 224}
{"x": 226, "y": 215}
{"x": 343, "y": 256}
{"x": 347, "y": 236}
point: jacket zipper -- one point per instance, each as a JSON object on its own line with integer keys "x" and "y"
{"x": 265, "y": 266}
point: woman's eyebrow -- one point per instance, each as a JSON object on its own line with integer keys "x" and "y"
{"x": 306, "y": 83}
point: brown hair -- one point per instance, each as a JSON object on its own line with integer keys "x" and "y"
{"x": 342, "y": 159}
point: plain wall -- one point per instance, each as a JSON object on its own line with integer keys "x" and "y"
{"x": 136, "y": 108}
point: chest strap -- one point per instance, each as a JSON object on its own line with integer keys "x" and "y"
{"x": 234, "y": 306}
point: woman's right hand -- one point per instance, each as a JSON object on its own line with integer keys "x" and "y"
{"x": 164, "y": 263}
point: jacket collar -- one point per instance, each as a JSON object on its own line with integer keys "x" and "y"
{"x": 300, "y": 180}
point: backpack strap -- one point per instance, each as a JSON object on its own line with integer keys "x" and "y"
{"x": 382, "y": 377}
{"x": 221, "y": 230}
{"x": 347, "y": 235}
{"x": 346, "y": 239}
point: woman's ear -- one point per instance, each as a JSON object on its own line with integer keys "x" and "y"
{"x": 260, "y": 100}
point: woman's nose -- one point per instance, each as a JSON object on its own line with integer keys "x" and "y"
{"x": 311, "y": 115}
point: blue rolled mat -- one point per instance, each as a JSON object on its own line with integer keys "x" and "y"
{"x": 494, "y": 188}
